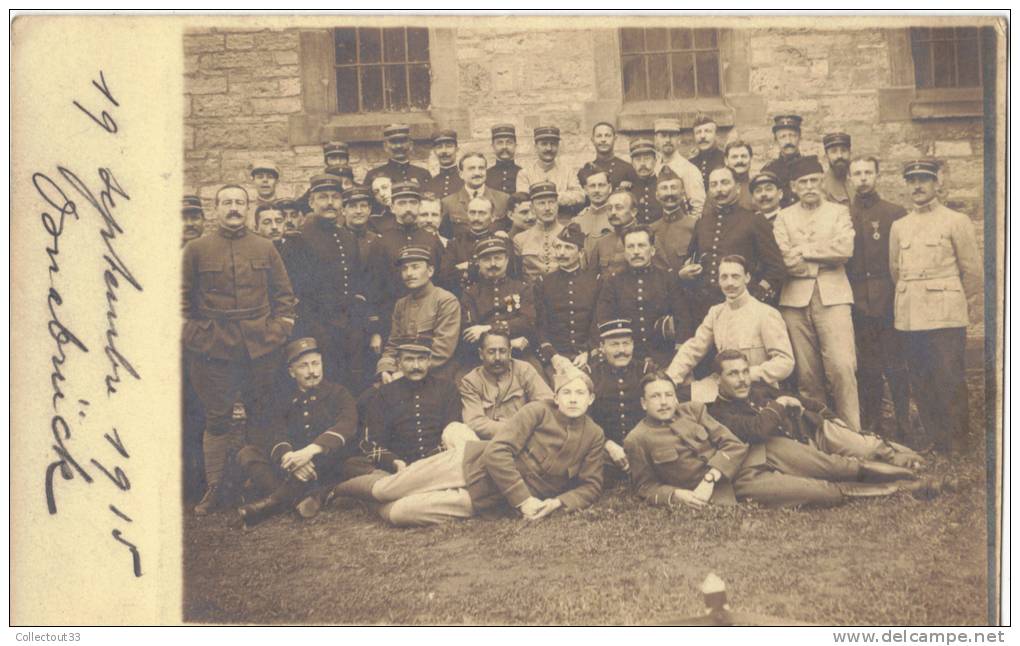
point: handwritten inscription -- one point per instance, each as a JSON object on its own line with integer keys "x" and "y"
{"x": 71, "y": 201}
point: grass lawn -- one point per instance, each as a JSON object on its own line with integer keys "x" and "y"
{"x": 889, "y": 561}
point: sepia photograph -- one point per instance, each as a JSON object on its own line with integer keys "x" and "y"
{"x": 510, "y": 320}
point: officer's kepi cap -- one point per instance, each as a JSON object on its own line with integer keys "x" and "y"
{"x": 412, "y": 253}
{"x": 547, "y": 132}
{"x": 543, "y": 189}
{"x": 921, "y": 167}
{"x": 355, "y": 193}
{"x": 264, "y": 165}
{"x": 444, "y": 136}
{"x": 806, "y": 165}
{"x": 788, "y": 121}
{"x": 299, "y": 348}
{"x": 665, "y": 175}
{"x": 422, "y": 342}
{"x": 407, "y": 188}
{"x": 346, "y": 171}
{"x": 765, "y": 177}
{"x": 489, "y": 245}
{"x": 616, "y": 327}
{"x": 572, "y": 234}
{"x": 504, "y": 130}
{"x": 835, "y": 139}
{"x": 396, "y": 131}
{"x": 642, "y": 147}
{"x": 701, "y": 119}
{"x": 335, "y": 148}
{"x": 285, "y": 203}
{"x": 191, "y": 203}
{"x": 324, "y": 182}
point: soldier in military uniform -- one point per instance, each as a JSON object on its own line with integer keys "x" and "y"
{"x": 730, "y": 230}
{"x": 650, "y": 297}
{"x": 565, "y": 305}
{"x": 430, "y": 216}
{"x": 547, "y": 168}
{"x": 708, "y": 464}
{"x": 836, "y": 185}
{"x": 336, "y": 154}
{"x": 447, "y": 180}
{"x": 338, "y": 313}
{"x": 398, "y": 145}
{"x": 293, "y": 215}
{"x": 404, "y": 419}
{"x": 425, "y": 310}
{"x": 520, "y": 214}
{"x": 603, "y": 138}
{"x": 767, "y": 195}
{"x": 642, "y": 158}
{"x": 667, "y": 142}
{"x": 302, "y": 455}
{"x": 460, "y": 269}
{"x": 386, "y": 282}
{"x": 934, "y": 262}
{"x": 674, "y": 229}
{"x": 269, "y": 221}
{"x": 346, "y": 176}
{"x": 502, "y": 175}
{"x": 816, "y": 238}
{"x": 272, "y": 224}
{"x": 880, "y": 357}
{"x": 192, "y": 217}
{"x": 238, "y": 310}
{"x": 709, "y": 156}
{"x": 535, "y": 246}
{"x": 356, "y": 210}
{"x": 594, "y": 218}
{"x": 455, "y": 206}
{"x": 786, "y": 132}
{"x": 738, "y": 155}
{"x": 496, "y": 298}
{"x": 616, "y": 375}
{"x": 605, "y": 252}
{"x": 264, "y": 175}
{"x": 381, "y": 218}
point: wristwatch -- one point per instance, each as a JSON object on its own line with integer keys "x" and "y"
{"x": 709, "y": 477}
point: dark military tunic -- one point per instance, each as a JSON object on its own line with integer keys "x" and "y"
{"x": 502, "y": 176}
{"x": 404, "y": 419}
{"x": 365, "y": 238}
{"x": 643, "y": 296}
{"x": 508, "y": 300}
{"x": 461, "y": 248}
{"x": 565, "y": 312}
{"x": 733, "y": 230}
{"x": 398, "y": 172}
{"x": 446, "y": 182}
{"x": 759, "y": 417}
{"x": 382, "y": 219}
{"x": 648, "y": 208}
{"x": 325, "y": 415}
{"x": 781, "y": 168}
{"x": 385, "y": 275}
{"x": 295, "y": 255}
{"x": 617, "y": 169}
{"x": 617, "y": 407}
{"x": 337, "y": 271}
{"x": 879, "y": 345}
{"x": 708, "y": 160}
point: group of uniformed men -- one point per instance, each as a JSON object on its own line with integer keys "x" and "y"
{"x": 510, "y": 331}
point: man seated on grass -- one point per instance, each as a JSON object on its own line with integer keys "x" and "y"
{"x": 548, "y": 456}
{"x": 679, "y": 454}
{"x": 756, "y": 411}
{"x": 404, "y": 419}
{"x": 311, "y": 435}
{"x": 501, "y": 386}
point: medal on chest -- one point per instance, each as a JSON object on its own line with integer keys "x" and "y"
{"x": 875, "y": 235}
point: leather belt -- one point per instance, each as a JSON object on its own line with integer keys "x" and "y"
{"x": 242, "y": 314}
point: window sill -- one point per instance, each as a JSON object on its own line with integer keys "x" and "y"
{"x": 641, "y": 115}
{"x": 312, "y": 129}
{"x": 947, "y": 104}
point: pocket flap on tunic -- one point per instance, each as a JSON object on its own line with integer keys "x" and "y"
{"x": 665, "y": 454}
{"x": 211, "y": 264}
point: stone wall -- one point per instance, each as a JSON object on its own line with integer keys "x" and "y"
{"x": 243, "y": 87}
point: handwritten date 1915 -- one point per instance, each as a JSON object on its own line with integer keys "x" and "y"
{"x": 115, "y": 275}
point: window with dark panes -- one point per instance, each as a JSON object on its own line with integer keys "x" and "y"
{"x": 382, "y": 70}
{"x": 665, "y": 63}
{"x": 946, "y": 57}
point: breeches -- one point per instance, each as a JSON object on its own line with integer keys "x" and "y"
{"x": 217, "y": 383}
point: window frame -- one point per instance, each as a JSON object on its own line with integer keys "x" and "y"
{"x": 358, "y": 66}
{"x": 668, "y": 53}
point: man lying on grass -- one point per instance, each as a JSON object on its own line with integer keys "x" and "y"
{"x": 680, "y": 455}
{"x": 755, "y": 412}
{"x": 547, "y": 456}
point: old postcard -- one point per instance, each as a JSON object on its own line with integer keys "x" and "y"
{"x": 488, "y": 320}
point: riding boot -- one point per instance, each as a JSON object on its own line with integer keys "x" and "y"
{"x": 258, "y": 511}
{"x": 871, "y": 471}
{"x": 359, "y": 487}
